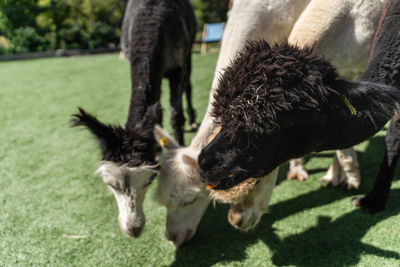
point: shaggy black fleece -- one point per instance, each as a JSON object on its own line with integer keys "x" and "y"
{"x": 130, "y": 146}
{"x": 265, "y": 80}
{"x": 157, "y": 38}
{"x": 384, "y": 66}
{"x": 280, "y": 102}
{"x": 268, "y": 87}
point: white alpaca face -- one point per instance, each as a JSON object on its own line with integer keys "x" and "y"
{"x": 180, "y": 190}
{"x": 129, "y": 186}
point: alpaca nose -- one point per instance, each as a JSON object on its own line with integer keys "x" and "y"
{"x": 132, "y": 228}
{"x": 177, "y": 239}
{"x": 136, "y": 231}
{"x": 133, "y": 231}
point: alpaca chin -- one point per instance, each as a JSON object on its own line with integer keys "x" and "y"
{"x": 234, "y": 194}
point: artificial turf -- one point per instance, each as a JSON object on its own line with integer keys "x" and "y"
{"x": 55, "y": 212}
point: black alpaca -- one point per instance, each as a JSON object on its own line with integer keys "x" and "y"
{"x": 278, "y": 103}
{"x": 157, "y": 38}
{"x": 376, "y": 199}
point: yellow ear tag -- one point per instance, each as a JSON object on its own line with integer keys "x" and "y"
{"x": 353, "y": 111}
{"x": 164, "y": 141}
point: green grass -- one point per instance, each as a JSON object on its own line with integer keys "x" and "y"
{"x": 47, "y": 187}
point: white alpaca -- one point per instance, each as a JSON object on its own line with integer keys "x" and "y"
{"x": 180, "y": 188}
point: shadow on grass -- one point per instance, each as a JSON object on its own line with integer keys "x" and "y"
{"x": 329, "y": 242}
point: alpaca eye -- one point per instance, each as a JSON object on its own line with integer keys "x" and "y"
{"x": 191, "y": 201}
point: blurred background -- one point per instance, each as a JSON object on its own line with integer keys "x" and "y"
{"x": 48, "y": 25}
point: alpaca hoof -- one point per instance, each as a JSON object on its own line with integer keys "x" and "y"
{"x": 356, "y": 202}
{"x": 291, "y": 175}
{"x": 352, "y": 185}
{"x": 329, "y": 182}
{"x": 301, "y": 176}
{"x": 325, "y": 181}
{"x": 193, "y": 127}
{"x": 366, "y": 205}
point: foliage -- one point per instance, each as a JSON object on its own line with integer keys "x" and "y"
{"x": 53, "y": 24}
{"x": 26, "y": 39}
{"x": 5, "y": 45}
{"x": 210, "y": 11}
{"x": 77, "y": 24}
{"x": 18, "y": 14}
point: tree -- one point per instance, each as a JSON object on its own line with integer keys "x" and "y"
{"x": 210, "y": 11}
{"x": 18, "y": 14}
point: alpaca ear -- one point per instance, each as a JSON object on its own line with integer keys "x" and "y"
{"x": 164, "y": 139}
{"x": 214, "y": 134}
{"x": 106, "y": 134}
{"x": 190, "y": 161}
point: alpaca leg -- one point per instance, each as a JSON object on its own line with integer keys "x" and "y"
{"x": 188, "y": 92}
{"x": 297, "y": 170}
{"x": 190, "y": 111}
{"x": 332, "y": 177}
{"x": 376, "y": 199}
{"x": 350, "y": 172}
{"x": 176, "y": 114}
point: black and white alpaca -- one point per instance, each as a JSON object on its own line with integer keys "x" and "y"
{"x": 280, "y": 102}
{"x": 157, "y": 39}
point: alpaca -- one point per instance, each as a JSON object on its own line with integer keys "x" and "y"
{"x": 128, "y": 163}
{"x": 250, "y": 20}
{"x": 342, "y": 30}
{"x": 376, "y": 199}
{"x": 180, "y": 189}
{"x": 157, "y": 37}
{"x": 280, "y": 102}
{"x": 179, "y": 176}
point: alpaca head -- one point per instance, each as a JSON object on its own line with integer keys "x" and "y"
{"x": 129, "y": 186}
{"x": 179, "y": 189}
{"x": 272, "y": 106}
{"x": 128, "y": 163}
{"x": 246, "y": 211}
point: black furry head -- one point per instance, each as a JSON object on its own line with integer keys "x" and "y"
{"x": 275, "y": 103}
{"x": 132, "y": 146}
{"x": 264, "y": 82}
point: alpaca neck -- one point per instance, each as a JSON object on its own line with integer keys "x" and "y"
{"x": 384, "y": 63}
{"x": 361, "y": 112}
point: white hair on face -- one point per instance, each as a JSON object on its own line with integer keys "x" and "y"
{"x": 181, "y": 191}
{"x": 178, "y": 181}
{"x": 129, "y": 186}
